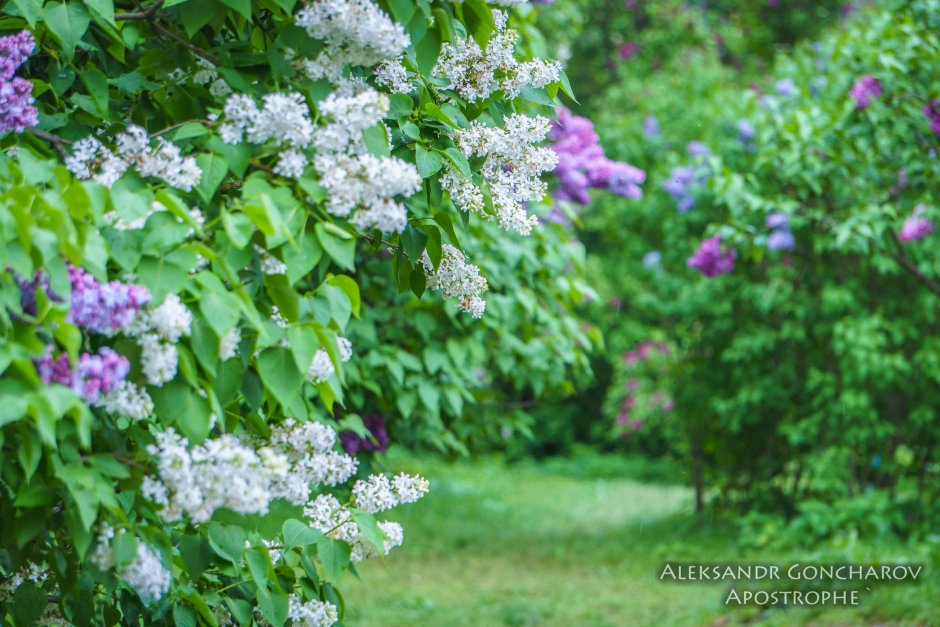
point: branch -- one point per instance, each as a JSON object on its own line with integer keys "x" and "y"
{"x": 905, "y": 262}
{"x": 57, "y": 142}
{"x": 147, "y": 14}
{"x": 173, "y": 127}
{"x": 196, "y": 50}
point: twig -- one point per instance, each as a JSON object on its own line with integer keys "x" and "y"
{"x": 57, "y": 142}
{"x": 173, "y": 127}
{"x": 912, "y": 269}
{"x": 196, "y": 50}
{"x": 147, "y": 14}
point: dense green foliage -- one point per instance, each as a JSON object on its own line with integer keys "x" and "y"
{"x": 805, "y": 381}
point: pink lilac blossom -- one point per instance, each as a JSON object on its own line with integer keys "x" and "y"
{"x": 104, "y": 307}
{"x": 583, "y": 165}
{"x": 17, "y": 112}
{"x": 932, "y": 111}
{"x": 94, "y": 374}
{"x": 711, "y": 260}
{"x": 916, "y": 227}
{"x": 353, "y": 442}
{"x": 864, "y": 89}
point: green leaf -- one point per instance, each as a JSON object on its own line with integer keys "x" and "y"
{"x": 67, "y": 23}
{"x": 243, "y": 7}
{"x": 196, "y": 554}
{"x": 124, "y": 546}
{"x": 103, "y": 9}
{"x": 228, "y": 541}
{"x": 29, "y": 602}
{"x": 280, "y": 374}
{"x": 221, "y": 310}
{"x": 459, "y": 160}
{"x": 238, "y": 227}
{"x": 413, "y": 241}
{"x": 334, "y": 555}
{"x": 29, "y": 9}
{"x": 214, "y": 168}
{"x": 376, "y": 140}
{"x": 297, "y": 533}
{"x": 429, "y": 162}
{"x": 348, "y": 285}
{"x": 338, "y": 244}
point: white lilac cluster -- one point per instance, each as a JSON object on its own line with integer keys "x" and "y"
{"x": 393, "y": 76}
{"x": 378, "y": 494}
{"x": 228, "y": 344}
{"x": 32, "y": 573}
{"x": 308, "y": 449}
{"x": 357, "y": 182}
{"x": 146, "y": 573}
{"x": 157, "y": 332}
{"x": 514, "y": 163}
{"x": 226, "y": 472}
{"x": 457, "y": 279}
{"x": 330, "y": 517}
{"x": 127, "y": 400}
{"x": 269, "y": 263}
{"x": 90, "y": 159}
{"x": 354, "y": 32}
{"x": 313, "y": 613}
{"x": 206, "y": 74}
{"x": 282, "y": 118}
{"x": 222, "y": 472}
{"x": 321, "y": 366}
{"x": 476, "y": 74}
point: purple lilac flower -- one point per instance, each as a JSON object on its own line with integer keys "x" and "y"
{"x": 17, "y": 112}
{"x": 353, "y": 443}
{"x": 786, "y": 87}
{"x": 768, "y": 101}
{"x": 582, "y": 163}
{"x": 651, "y": 126}
{"x": 104, "y": 307}
{"x": 681, "y": 184}
{"x": 652, "y": 259}
{"x": 628, "y": 49}
{"x": 28, "y": 289}
{"x": 777, "y": 220}
{"x": 817, "y": 84}
{"x": 710, "y": 260}
{"x": 636, "y": 425}
{"x": 781, "y": 239}
{"x": 916, "y": 227}
{"x": 932, "y": 111}
{"x": 697, "y": 149}
{"x": 746, "y": 131}
{"x": 94, "y": 374}
{"x": 864, "y": 89}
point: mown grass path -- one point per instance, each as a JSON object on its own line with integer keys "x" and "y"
{"x": 496, "y": 545}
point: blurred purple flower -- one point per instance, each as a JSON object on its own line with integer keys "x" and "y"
{"x": 375, "y": 424}
{"x": 710, "y": 260}
{"x": 628, "y": 49}
{"x": 786, "y": 87}
{"x": 864, "y": 89}
{"x": 94, "y": 375}
{"x": 917, "y": 226}
{"x": 651, "y": 126}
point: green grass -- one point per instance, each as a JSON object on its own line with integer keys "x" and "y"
{"x": 531, "y": 545}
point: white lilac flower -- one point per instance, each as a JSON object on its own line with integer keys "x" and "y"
{"x": 228, "y": 344}
{"x": 283, "y": 119}
{"x": 127, "y": 400}
{"x": 512, "y": 168}
{"x": 349, "y": 111}
{"x": 291, "y": 164}
{"x": 321, "y": 367}
{"x": 171, "y": 319}
{"x": 269, "y": 263}
{"x": 457, "y": 279}
{"x": 392, "y": 75}
{"x": 378, "y": 494}
{"x": 103, "y": 556}
{"x": 159, "y": 359}
{"x": 354, "y": 32}
{"x": 313, "y": 613}
{"x": 147, "y": 575}
{"x": 476, "y": 74}
{"x": 345, "y": 348}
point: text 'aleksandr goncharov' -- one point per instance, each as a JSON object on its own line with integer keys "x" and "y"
{"x": 793, "y": 572}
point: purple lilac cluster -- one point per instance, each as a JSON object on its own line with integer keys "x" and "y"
{"x": 17, "y": 112}
{"x": 864, "y": 89}
{"x": 353, "y": 442}
{"x": 582, "y": 163}
{"x": 643, "y": 351}
{"x": 683, "y": 180}
{"x": 932, "y": 111}
{"x": 104, "y": 307}
{"x": 28, "y": 289}
{"x": 628, "y": 49}
{"x": 651, "y": 127}
{"x": 746, "y": 134}
{"x": 917, "y": 226}
{"x": 781, "y": 237}
{"x": 711, "y": 260}
{"x": 94, "y": 375}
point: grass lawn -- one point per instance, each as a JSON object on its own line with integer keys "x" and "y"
{"x": 502, "y": 545}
